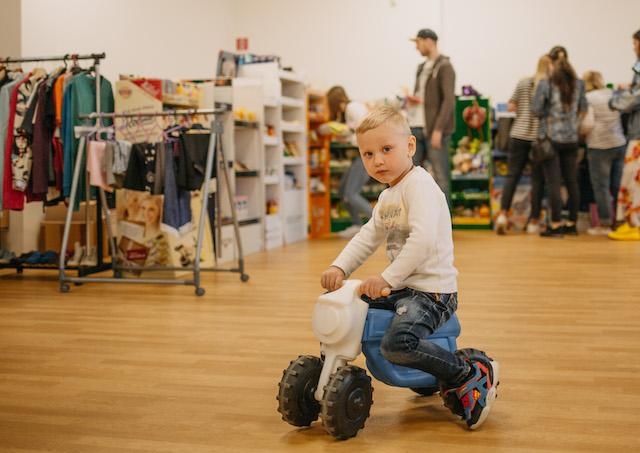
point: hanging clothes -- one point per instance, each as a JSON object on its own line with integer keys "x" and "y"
{"x": 12, "y": 198}
{"x": 176, "y": 212}
{"x": 80, "y": 99}
{"x": 145, "y": 170}
{"x": 5, "y": 111}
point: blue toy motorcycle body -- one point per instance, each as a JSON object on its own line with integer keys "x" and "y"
{"x": 341, "y": 393}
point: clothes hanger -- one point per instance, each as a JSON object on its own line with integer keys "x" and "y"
{"x": 75, "y": 68}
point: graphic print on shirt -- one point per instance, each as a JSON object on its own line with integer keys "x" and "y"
{"x": 396, "y": 223}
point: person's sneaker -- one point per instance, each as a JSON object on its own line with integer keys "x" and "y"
{"x": 349, "y": 232}
{"x": 501, "y": 224}
{"x": 77, "y": 255}
{"x": 625, "y": 232}
{"x": 571, "y": 230}
{"x": 6, "y": 256}
{"x": 550, "y": 232}
{"x": 473, "y": 400}
{"x": 90, "y": 258}
{"x": 533, "y": 228}
{"x": 598, "y": 231}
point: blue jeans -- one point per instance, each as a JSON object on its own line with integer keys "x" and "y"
{"x": 417, "y": 315}
{"x": 350, "y": 187}
{"x": 605, "y": 171}
{"x": 438, "y": 158}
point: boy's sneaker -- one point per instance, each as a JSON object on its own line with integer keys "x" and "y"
{"x": 473, "y": 400}
{"x": 501, "y": 224}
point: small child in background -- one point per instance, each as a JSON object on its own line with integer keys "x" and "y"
{"x": 412, "y": 215}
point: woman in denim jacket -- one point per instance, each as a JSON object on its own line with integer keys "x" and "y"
{"x": 560, "y": 103}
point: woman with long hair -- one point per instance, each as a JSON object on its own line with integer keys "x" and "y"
{"x": 560, "y": 103}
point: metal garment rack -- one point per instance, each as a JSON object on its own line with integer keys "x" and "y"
{"x": 215, "y": 144}
{"x": 74, "y": 57}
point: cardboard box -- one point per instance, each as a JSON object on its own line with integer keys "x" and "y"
{"x": 59, "y": 213}
{"x": 4, "y": 218}
{"x": 51, "y": 233}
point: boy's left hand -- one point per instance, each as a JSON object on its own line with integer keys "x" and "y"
{"x": 375, "y": 287}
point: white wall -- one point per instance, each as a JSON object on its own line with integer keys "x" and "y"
{"x": 361, "y": 44}
{"x": 10, "y": 29}
{"x": 494, "y": 42}
{"x": 155, "y": 38}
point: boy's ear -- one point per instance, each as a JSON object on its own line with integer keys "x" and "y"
{"x": 411, "y": 146}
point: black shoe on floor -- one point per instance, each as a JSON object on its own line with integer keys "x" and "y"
{"x": 570, "y": 230}
{"x": 557, "y": 232}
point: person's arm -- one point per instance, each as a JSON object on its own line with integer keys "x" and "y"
{"x": 447, "y": 77}
{"x": 583, "y": 105}
{"x": 539, "y": 100}
{"x": 512, "y": 104}
{"x": 361, "y": 246}
{"x": 626, "y": 101}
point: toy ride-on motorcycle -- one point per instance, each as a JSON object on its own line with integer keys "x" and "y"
{"x": 339, "y": 392}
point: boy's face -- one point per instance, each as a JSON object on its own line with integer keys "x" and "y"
{"x": 387, "y": 152}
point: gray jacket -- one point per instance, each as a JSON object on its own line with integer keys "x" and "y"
{"x": 628, "y": 101}
{"x": 439, "y": 96}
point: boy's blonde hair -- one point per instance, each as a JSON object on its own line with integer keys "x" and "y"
{"x": 593, "y": 80}
{"x": 380, "y": 115}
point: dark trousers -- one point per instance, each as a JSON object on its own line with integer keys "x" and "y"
{"x": 517, "y": 160}
{"x": 563, "y": 167}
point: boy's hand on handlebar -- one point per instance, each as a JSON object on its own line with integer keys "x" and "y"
{"x": 332, "y": 278}
{"x": 375, "y": 287}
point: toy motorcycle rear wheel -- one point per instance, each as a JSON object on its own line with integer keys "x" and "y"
{"x": 346, "y": 402}
{"x": 296, "y": 400}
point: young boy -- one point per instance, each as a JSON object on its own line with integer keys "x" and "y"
{"x": 413, "y": 216}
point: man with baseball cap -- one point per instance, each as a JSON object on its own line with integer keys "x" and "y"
{"x": 431, "y": 108}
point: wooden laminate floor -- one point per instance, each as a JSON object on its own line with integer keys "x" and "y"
{"x": 149, "y": 368}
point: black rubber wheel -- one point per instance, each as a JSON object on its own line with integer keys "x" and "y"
{"x": 199, "y": 291}
{"x": 426, "y": 391}
{"x": 244, "y": 278}
{"x": 64, "y": 288}
{"x": 296, "y": 400}
{"x": 346, "y": 402}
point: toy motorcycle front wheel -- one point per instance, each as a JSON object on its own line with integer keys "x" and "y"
{"x": 296, "y": 401}
{"x": 346, "y": 402}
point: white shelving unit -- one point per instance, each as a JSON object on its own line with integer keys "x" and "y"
{"x": 242, "y": 144}
{"x": 285, "y": 153}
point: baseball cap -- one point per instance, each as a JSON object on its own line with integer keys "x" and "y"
{"x": 426, "y": 33}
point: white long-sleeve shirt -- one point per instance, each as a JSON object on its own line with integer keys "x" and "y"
{"x": 414, "y": 218}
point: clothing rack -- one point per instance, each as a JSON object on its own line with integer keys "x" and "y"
{"x": 69, "y": 56}
{"x": 215, "y": 144}
{"x": 96, "y": 57}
